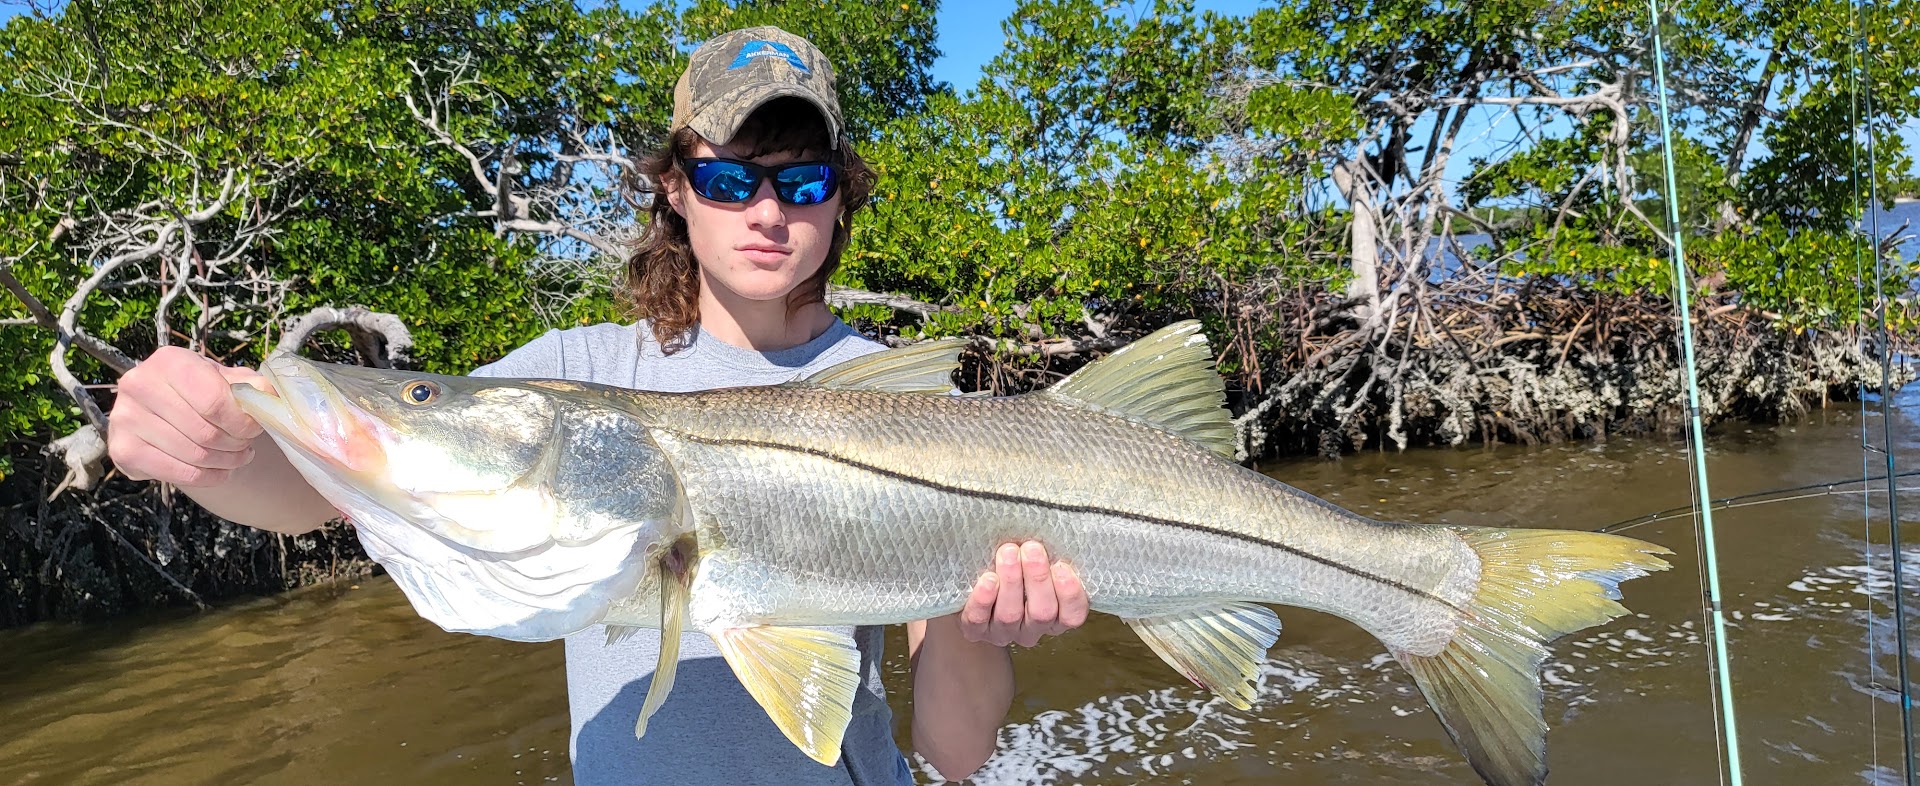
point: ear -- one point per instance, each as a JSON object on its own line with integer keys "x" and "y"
{"x": 676, "y": 190}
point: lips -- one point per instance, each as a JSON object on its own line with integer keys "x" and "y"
{"x": 765, "y": 254}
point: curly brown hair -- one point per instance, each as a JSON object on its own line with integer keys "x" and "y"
{"x": 662, "y": 279}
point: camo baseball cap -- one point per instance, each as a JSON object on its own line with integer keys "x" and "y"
{"x": 734, "y": 73}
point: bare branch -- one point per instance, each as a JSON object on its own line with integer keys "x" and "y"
{"x": 1061, "y": 347}
{"x": 379, "y": 338}
{"x": 843, "y": 297}
{"x": 569, "y": 198}
{"x": 160, "y": 331}
{"x": 600, "y": 244}
{"x": 100, "y": 350}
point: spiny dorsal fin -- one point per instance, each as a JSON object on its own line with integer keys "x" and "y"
{"x": 1165, "y": 380}
{"x": 926, "y": 367}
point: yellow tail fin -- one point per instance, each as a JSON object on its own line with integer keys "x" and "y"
{"x": 1535, "y": 586}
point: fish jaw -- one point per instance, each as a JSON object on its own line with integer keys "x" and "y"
{"x": 319, "y": 412}
{"x": 309, "y": 410}
{"x": 308, "y": 415}
{"x": 547, "y": 555}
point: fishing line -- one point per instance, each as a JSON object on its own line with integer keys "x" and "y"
{"x": 1896, "y": 553}
{"x": 1730, "y": 506}
{"x": 1723, "y": 682}
{"x": 1740, "y": 500}
{"x": 1853, "y": 73}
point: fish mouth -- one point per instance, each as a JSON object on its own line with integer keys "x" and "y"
{"x": 308, "y": 412}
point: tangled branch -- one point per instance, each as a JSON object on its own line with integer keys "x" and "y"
{"x": 378, "y": 337}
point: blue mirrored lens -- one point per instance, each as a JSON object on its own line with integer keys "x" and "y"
{"x": 723, "y": 181}
{"x": 732, "y": 181}
{"x": 805, "y": 185}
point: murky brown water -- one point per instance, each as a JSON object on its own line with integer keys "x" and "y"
{"x": 345, "y": 685}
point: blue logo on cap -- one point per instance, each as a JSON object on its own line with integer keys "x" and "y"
{"x": 755, "y": 50}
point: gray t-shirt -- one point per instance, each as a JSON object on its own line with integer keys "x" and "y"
{"x": 710, "y": 731}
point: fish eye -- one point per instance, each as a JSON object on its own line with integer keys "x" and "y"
{"x": 420, "y": 392}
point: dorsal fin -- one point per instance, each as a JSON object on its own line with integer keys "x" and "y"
{"x": 1165, "y": 380}
{"x": 926, "y": 367}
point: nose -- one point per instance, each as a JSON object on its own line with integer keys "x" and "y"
{"x": 764, "y": 209}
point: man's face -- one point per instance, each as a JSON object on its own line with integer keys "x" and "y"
{"x": 759, "y": 249}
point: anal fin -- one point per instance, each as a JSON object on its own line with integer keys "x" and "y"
{"x": 1220, "y": 649}
{"x": 804, "y": 678}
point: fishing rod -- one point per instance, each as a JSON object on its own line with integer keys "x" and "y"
{"x": 1723, "y": 681}
{"x": 1826, "y": 487}
{"x": 1896, "y": 553}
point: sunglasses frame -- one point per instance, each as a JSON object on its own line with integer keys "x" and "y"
{"x": 761, "y": 174}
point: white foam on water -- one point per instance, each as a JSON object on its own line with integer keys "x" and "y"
{"x": 1154, "y": 733}
{"x": 1149, "y": 733}
{"x": 1851, "y": 589}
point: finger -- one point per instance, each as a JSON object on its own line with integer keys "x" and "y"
{"x": 1037, "y": 578}
{"x": 243, "y": 375}
{"x": 210, "y": 395}
{"x": 1072, "y": 595}
{"x": 125, "y": 450}
{"x": 155, "y": 465}
{"x": 167, "y": 439}
{"x": 166, "y": 404}
{"x": 975, "y": 616}
{"x": 1010, "y": 605}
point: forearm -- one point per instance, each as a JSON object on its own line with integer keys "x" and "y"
{"x": 267, "y": 493}
{"x": 961, "y": 693}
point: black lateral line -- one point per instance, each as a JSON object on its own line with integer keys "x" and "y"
{"x": 1069, "y": 508}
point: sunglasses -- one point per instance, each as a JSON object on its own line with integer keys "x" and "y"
{"x": 729, "y": 180}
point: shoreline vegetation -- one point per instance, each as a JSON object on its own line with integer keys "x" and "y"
{"x": 430, "y": 184}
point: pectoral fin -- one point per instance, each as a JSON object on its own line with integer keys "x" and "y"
{"x": 673, "y": 618}
{"x": 803, "y": 678}
{"x": 1220, "y": 649}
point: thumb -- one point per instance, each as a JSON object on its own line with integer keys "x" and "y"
{"x": 239, "y": 375}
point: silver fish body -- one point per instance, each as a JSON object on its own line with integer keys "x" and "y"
{"x": 817, "y": 506}
{"x": 530, "y": 509}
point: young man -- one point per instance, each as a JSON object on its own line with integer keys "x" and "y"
{"x": 755, "y": 190}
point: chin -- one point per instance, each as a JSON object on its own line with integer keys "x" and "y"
{"x": 758, "y": 284}
{"x": 764, "y": 290}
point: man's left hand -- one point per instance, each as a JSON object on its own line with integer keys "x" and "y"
{"x": 1025, "y": 596}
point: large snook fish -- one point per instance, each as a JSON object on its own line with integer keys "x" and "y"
{"x": 529, "y": 509}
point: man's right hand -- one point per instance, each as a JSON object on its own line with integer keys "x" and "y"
{"x": 175, "y": 420}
